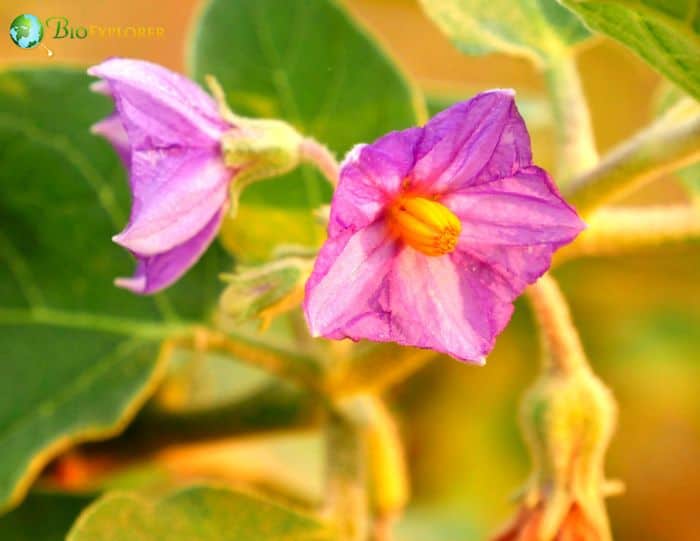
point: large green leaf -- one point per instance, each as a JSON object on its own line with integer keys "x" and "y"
{"x": 79, "y": 356}
{"x": 43, "y": 516}
{"x": 534, "y": 29}
{"x": 201, "y": 513}
{"x": 306, "y": 62}
{"x": 665, "y": 33}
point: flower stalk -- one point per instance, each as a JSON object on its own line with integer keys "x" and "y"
{"x": 313, "y": 152}
{"x": 562, "y": 349}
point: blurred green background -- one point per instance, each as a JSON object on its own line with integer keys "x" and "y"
{"x": 638, "y": 315}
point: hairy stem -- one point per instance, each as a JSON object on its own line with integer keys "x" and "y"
{"x": 562, "y": 347}
{"x": 317, "y": 154}
{"x": 619, "y": 230}
{"x": 345, "y": 490}
{"x": 377, "y": 370}
{"x": 388, "y": 472}
{"x": 660, "y": 148}
{"x": 300, "y": 369}
{"x": 576, "y": 142}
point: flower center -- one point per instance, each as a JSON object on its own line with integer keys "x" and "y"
{"x": 424, "y": 224}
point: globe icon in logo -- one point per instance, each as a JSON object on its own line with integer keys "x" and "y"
{"x": 26, "y": 31}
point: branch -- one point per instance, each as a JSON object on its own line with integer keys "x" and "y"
{"x": 620, "y": 230}
{"x": 660, "y": 148}
{"x": 346, "y": 477}
{"x": 303, "y": 370}
{"x": 572, "y": 121}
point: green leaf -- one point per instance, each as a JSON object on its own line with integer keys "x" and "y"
{"x": 201, "y": 513}
{"x": 665, "y": 33}
{"x": 533, "y": 29}
{"x": 43, "y": 516}
{"x": 306, "y": 62}
{"x": 80, "y": 356}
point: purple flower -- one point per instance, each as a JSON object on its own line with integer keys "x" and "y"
{"x": 168, "y": 132}
{"x": 435, "y": 230}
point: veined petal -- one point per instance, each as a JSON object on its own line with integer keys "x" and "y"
{"x": 175, "y": 193}
{"x": 346, "y": 295}
{"x": 111, "y": 128}
{"x": 522, "y": 210}
{"x": 435, "y": 304}
{"x": 370, "y": 176}
{"x": 160, "y": 108}
{"x": 156, "y": 272}
{"x": 366, "y": 286}
{"x": 472, "y": 142}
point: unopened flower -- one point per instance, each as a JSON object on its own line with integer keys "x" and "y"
{"x": 435, "y": 230}
{"x": 265, "y": 291}
{"x": 568, "y": 418}
{"x": 182, "y": 150}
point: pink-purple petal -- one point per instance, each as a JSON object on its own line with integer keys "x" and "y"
{"x": 521, "y": 210}
{"x": 472, "y": 142}
{"x": 434, "y": 304}
{"x": 156, "y": 272}
{"x": 370, "y": 176}
{"x": 111, "y": 128}
{"x": 346, "y": 293}
{"x": 175, "y": 192}
{"x": 158, "y": 107}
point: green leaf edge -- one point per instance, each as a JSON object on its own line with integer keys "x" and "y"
{"x": 418, "y": 102}
{"x": 151, "y": 504}
{"x": 670, "y": 23}
{"x": 97, "y": 432}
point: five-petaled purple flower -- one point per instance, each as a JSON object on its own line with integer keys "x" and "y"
{"x": 435, "y": 230}
{"x": 168, "y": 132}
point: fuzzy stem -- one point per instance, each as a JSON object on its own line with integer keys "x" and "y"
{"x": 346, "y": 494}
{"x": 562, "y": 347}
{"x": 658, "y": 149}
{"x": 576, "y": 142}
{"x": 621, "y": 230}
{"x": 300, "y": 369}
{"x": 378, "y": 370}
{"x": 388, "y": 472}
{"x": 317, "y": 154}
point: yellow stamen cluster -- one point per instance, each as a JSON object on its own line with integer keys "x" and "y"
{"x": 424, "y": 224}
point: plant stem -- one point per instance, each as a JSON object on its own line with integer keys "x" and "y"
{"x": 300, "y": 369}
{"x": 562, "y": 347}
{"x": 388, "y": 472}
{"x": 346, "y": 494}
{"x": 658, "y": 149}
{"x": 619, "y": 230}
{"x": 376, "y": 371}
{"x": 317, "y": 154}
{"x": 576, "y": 142}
